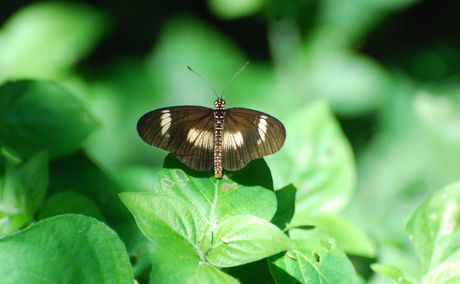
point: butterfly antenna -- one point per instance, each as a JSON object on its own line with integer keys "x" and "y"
{"x": 202, "y": 78}
{"x": 234, "y": 76}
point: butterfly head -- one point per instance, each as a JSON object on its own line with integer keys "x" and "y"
{"x": 219, "y": 103}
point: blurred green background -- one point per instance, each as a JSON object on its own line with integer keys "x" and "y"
{"x": 388, "y": 69}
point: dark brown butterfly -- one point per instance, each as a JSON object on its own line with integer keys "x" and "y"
{"x": 219, "y": 138}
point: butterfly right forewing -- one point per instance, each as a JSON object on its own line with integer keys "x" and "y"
{"x": 248, "y": 135}
{"x": 186, "y": 131}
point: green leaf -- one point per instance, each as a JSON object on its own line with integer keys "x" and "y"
{"x": 286, "y": 206}
{"x": 12, "y": 222}
{"x": 228, "y": 9}
{"x": 392, "y": 272}
{"x": 69, "y": 202}
{"x": 24, "y": 186}
{"x": 22, "y": 189}
{"x": 350, "y": 238}
{"x": 93, "y": 182}
{"x": 242, "y": 239}
{"x": 46, "y": 39}
{"x": 41, "y": 115}
{"x": 316, "y": 259}
{"x": 160, "y": 216}
{"x": 65, "y": 249}
{"x": 175, "y": 229}
{"x": 360, "y": 84}
{"x": 435, "y": 233}
{"x": 208, "y": 52}
{"x": 176, "y": 261}
{"x": 317, "y": 159}
{"x": 242, "y": 192}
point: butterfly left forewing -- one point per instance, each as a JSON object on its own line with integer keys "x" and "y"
{"x": 248, "y": 135}
{"x": 186, "y": 131}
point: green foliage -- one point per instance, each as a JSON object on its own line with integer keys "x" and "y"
{"x": 317, "y": 159}
{"x": 69, "y": 202}
{"x": 434, "y": 232}
{"x": 22, "y": 189}
{"x": 208, "y": 218}
{"x": 235, "y": 9}
{"x": 41, "y": 115}
{"x": 45, "y": 40}
{"x": 314, "y": 259}
{"x": 68, "y": 144}
{"x": 64, "y": 249}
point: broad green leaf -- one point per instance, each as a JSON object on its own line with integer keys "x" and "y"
{"x": 46, "y": 39}
{"x": 393, "y": 272}
{"x": 350, "y": 238}
{"x": 243, "y": 238}
{"x": 175, "y": 229}
{"x": 435, "y": 233}
{"x": 317, "y": 159}
{"x": 242, "y": 192}
{"x": 315, "y": 259}
{"x": 176, "y": 261}
{"x": 286, "y": 206}
{"x": 69, "y": 202}
{"x": 65, "y": 249}
{"x": 96, "y": 183}
{"x": 41, "y": 115}
{"x": 228, "y": 9}
{"x": 160, "y": 216}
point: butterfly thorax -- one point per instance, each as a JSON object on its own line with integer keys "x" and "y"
{"x": 219, "y": 109}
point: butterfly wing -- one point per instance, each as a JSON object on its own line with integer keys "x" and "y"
{"x": 186, "y": 131}
{"x": 248, "y": 135}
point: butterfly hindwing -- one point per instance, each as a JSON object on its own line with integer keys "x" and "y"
{"x": 248, "y": 135}
{"x": 186, "y": 131}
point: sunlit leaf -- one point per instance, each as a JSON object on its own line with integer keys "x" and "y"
{"x": 435, "y": 233}
{"x": 65, "y": 249}
{"x": 316, "y": 258}
{"x": 162, "y": 216}
{"x": 243, "y": 238}
{"x": 176, "y": 261}
{"x": 317, "y": 159}
{"x": 46, "y": 39}
{"x": 243, "y": 192}
{"x": 391, "y": 272}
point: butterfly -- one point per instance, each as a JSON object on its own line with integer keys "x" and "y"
{"x": 218, "y": 138}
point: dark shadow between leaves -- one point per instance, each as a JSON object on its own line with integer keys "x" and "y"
{"x": 362, "y": 265}
{"x": 286, "y": 206}
{"x": 254, "y": 272}
{"x": 77, "y": 172}
{"x": 278, "y": 273}
{"x": 256, "y": 173}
